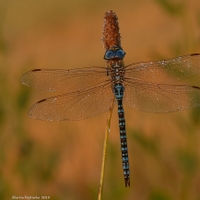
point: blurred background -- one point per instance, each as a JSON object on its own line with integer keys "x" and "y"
{"x": 63, "y": 159}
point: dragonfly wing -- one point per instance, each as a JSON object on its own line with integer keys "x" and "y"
{"x": 75, "y": 106}
{"x": 59, "y": 80}
{"x": 161, "y": 98}
{"x": 165, "y": 71}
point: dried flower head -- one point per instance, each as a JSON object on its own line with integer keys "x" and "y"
{"x": 111, "y": 36}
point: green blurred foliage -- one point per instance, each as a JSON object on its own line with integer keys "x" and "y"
{"x": 172, "y": 7}
{"x": 163, "y": 166}
{"x": 159, "y": 195}
{"x": 188, "y": 161}
{"x": 148, "y": 144}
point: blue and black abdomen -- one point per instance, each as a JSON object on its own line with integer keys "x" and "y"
{"x": 119, "y": 93}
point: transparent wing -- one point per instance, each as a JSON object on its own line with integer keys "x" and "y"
{"x": 165, "y": 71}
{"x": 58, "y": 80}
{"x": 75, "y": 106}
{"x": 161, "y": 98}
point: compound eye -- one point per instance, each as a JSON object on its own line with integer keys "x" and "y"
{"x": 109, "y": 54}
{"x": 120, "y": 53}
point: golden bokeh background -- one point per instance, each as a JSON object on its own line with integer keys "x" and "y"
{"x": 62, "y": 160}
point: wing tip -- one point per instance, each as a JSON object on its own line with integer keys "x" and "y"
{"x": 194, "y": 54}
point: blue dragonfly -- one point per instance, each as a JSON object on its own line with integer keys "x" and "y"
{"x": 87, "y": 92}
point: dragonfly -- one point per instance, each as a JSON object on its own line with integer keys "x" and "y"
{"x": 87, "y": 92}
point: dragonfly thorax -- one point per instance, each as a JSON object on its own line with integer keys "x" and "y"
{"x": 116, "y": 71}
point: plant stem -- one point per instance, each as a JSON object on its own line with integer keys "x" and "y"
{"x": 104, "y": 150}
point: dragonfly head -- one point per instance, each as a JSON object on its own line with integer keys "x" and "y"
{"x": 114, "y": 52}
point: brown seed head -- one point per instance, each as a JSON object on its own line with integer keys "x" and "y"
{"x": 111, "y": 35}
